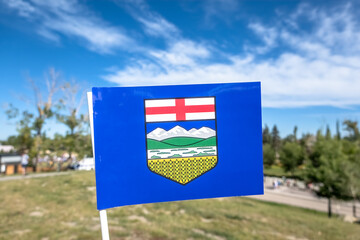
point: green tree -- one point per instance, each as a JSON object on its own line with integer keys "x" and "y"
{"x": 43, "y": 103}
{"x": 24, "y": 140}
{"x": 275, "y": 139}
{"x": 352, "y": 171}
{"x": 269, "y": 155}
{"x": 338, "y": 134}
{"x": 353, "y": 130}
{"x": 44, "y": 107}
{"x": 307, "y": 142}
{"x": 291, "y": 156}
{"x": 328, "y": 132}
{"x": 69, "y": 114}
{"x": 86, "y": 146}
{"x": 352, "y": 150}
{"x": 326, "y": 169}
{"x": 266, "y": 135}
{"x": 295, "y": 133}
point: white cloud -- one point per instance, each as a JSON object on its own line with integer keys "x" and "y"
{"x": 268, "y": 35}
{"x": 68, "y": 17}
{"x": 220, "y": 9}
{"x": 181, "y": 53}
{"x": 313, "y": 67}
{"x": 157, "y": 26}
{"x": 25, "y": 9}
{"x": 153, "y": 23}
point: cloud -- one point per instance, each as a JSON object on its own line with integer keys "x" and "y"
{"x": 269, "y": 36}
{"x": 220, "y": 9}
{"x": 313, "y": 66}
{"x": 181, "y": 53}
{"x": 153, "y": 24}
{"x": 53, "y": 19}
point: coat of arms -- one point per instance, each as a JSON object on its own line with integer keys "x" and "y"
{"x": 181, "y": 138}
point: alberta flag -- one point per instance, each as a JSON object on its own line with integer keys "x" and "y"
{"x": 169, "y": 143}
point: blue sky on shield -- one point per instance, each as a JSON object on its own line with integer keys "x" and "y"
{"x": 305, "y": 53}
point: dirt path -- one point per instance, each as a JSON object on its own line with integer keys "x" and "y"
{"x": 305, "y": 199}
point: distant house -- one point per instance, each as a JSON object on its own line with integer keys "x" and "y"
{"x": 6, "y": 148}
{"x": 10, "y": 163}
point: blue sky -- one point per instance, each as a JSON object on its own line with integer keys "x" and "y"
{"x": 305, "y": 53}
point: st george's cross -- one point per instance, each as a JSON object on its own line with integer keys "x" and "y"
{"x": 180, "y": 109}
{"x": 181, "y": 137}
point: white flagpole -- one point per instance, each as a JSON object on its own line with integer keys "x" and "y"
{"x": 103, "y": 215}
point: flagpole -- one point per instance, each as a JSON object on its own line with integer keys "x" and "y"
{"x": 103, "y": 215}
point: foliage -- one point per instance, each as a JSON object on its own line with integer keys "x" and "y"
{"x": 327, "y": 169}
{"x": 49, "y": 103}
{"x": 332, "y": 163}
{"x": 24, "y": 140}
{"x": 69, "y": 114}
{"x": 291, "y": 156}
{"x": 266, "y": 135}
{"x": 269, "y": 155}
{"x": 352, "y": 128}
{"x": 275, "y": 139}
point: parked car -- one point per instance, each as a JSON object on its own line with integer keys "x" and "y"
{"x": 86, "y": 164}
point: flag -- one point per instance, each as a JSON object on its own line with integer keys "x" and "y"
{"x": 170, "y": 143}
{"x": 180, "y": 109}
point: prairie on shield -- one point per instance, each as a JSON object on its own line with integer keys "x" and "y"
{"x": 181, "y": 139}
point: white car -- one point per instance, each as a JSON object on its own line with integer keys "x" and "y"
{"x": 86, "y": 164}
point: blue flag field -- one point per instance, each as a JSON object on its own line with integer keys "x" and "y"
{"x": 170, "y": 143}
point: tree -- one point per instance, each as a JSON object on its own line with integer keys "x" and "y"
{"x": 352, "y": 150}
{"x": 353, "y": 180}
{"x": 69, "y": 114}
{"x": 269, "y": 155}
{"x": 352, "y": 128}
{"x": 307, "y": 142}
{"x": 326, "y": 168}
{"x": 328, "y": 132}
{"x": 295, "y": 133}
{"x": 338, "y": 134}
{"x": 291, "y": 156}
{"x": 266, "y": 135}
{"x": 24, "y": 140}
{"x": 44, "y": 106}
{"x": 275, "y": 139}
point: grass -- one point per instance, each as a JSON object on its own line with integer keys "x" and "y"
{"x": 277, "y": 171}
{"x": 64, "y": 207}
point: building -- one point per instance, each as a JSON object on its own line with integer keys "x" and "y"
{"x": 6, "y": 148}
{"x": 10, "y": 163}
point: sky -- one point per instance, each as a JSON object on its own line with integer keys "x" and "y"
{"x": 306, "y": 54}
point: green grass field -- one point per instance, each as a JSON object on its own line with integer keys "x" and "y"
{"x": 277, "y": 171}
{"x": 180, "y": 142}
{"x": 64, "y": 207}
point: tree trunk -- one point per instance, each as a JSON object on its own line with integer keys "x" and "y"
{"x": 38, "y": 136}
{"x": 354, "y": 208}
{"x": 35, "y": 163}
{"x": 329, "y": 208}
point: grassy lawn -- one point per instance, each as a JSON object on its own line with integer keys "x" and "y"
{"x": 277, "y": 171}
{"x": 64, "y": 207}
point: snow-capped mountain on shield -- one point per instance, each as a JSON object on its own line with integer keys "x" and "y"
{"x": 160, "y": 134}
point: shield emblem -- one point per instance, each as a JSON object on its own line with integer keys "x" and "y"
{"x": 181, "y": 139}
